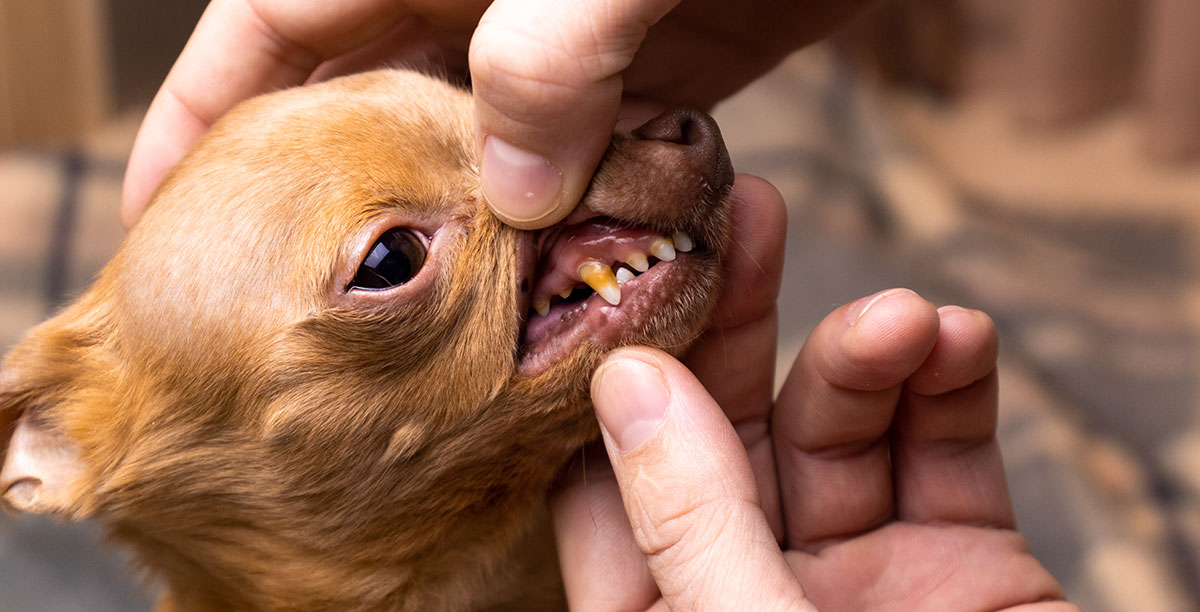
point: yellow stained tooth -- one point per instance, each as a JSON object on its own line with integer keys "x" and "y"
{"x": 663, "y": 249}
{"x": 683, "y": 242}
{"x": 600, "y": 277}
{"x": 542, "y": 307}
{"x": 624, "y": 275}
{"x": 638, "y": 261}
{"x": 566, "y": 293}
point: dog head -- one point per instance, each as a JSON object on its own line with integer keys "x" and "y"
{"x": 319, "y": 366}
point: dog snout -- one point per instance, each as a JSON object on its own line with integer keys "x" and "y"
{"x": 670, "y": 173}
{"x": 696, "y": 131}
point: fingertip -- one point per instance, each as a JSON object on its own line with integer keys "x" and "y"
{"x": 753, "y": 259}
{"x": 966, "y": 351}
{"x": 523, "y": 189}
{"x": 167, "y": 132}
{"x": 885, "y": 338}
{"x": 759, "y": 218}
{"x": 759, "y": 193}
{"x": 139, "y": 183}
{"x": 547, "y": 101}
{"x": 631, "y": 395}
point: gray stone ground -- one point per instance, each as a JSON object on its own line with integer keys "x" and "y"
{"x": 1093, "y": 287}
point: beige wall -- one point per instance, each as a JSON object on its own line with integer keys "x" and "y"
{"x": 54, "y": 69}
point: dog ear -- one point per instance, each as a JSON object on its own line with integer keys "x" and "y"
{"x": 41, "y": 468}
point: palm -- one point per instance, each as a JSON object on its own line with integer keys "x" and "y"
{"x": 905, "y": 567}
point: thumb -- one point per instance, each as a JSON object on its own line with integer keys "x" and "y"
{"x": 688, "y": 488}
{"x": 546, "y": 77}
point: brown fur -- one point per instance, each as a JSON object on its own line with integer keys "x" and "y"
{"x": 265, "y": 440}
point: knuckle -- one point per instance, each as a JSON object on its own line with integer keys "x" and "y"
{"x": 684, "y": 537}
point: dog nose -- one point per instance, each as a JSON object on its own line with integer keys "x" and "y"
{"x": 698, "y": 132}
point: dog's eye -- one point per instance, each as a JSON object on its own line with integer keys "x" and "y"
{"x": 393, "y": 260}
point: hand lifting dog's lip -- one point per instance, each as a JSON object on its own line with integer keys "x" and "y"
{"x": 604, "y": 272}
{"x": 320, "y": 370}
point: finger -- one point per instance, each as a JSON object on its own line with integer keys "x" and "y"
{"x": 687, "y": 487}
{"x": 547, "y": 84}
{"x": 832, "y": 416}
{"x": 735, "y": 359}
{"x": 240, "y": 48}
{"x": 602, "y": 567}
{"x": 945, "y": 455}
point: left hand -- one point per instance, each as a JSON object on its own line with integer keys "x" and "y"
{"x": 890, "y": 493}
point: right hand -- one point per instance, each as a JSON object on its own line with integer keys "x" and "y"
{"x": 549, "y": 77}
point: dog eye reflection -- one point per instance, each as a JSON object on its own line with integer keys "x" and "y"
{"x": 393, "y": 260}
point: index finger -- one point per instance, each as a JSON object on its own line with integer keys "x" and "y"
{"x": 239, "y": 49}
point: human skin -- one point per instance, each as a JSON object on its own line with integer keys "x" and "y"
{"x": 872, "y": 482}
{"x": 549, "y": 78}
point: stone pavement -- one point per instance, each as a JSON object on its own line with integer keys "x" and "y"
{"x": 1094, "y": 289}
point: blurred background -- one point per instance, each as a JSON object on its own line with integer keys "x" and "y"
{"x": 1036, "y": 159}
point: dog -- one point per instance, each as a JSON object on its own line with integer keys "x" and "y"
{"x": 320, "y": 375}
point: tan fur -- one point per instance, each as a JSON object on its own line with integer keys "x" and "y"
{"x": 266, "y": 441}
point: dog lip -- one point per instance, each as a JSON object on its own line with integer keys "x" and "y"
{"x": 554, "y": 255}
{"x": 605, "y": 326}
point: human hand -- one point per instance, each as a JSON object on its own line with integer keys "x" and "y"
{"x": 548, "y": 76}
{"x": 890, "y": 492}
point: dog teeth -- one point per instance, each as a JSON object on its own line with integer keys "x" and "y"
{"x": 601, "y": 278}
{"x": 624, "y": 275}
{"x": 566, "y": 293}
{"x": 638, "y": 261}
{"x": 683, "y": 242}
{"x": 663, "y": 249}
{"x": 542, "y": 306}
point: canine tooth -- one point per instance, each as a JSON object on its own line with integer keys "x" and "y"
{"x": 566, "y": 293}
{"x": 624, "y": 275}
{"x": 600, "y": 277}
{"x": 542, "y": 306}
{"x": 663, "y": 249}
{"x": 638, "y": 262}
{"x": 683, "y": 241}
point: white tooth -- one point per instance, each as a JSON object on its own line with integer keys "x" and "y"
{"x": 624, "y": 275}
{"x": 638, "y": 262}
{"x": 683, "y": 241}
{"x": 542, "y": 306}
{"x": 601, "y": 278}
{"x": 663, "y": 249}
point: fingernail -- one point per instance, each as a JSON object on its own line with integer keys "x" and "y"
{"x": 631, "y": 397}
{"x": 859, "y": 308}
{"x": 521, "y": 186}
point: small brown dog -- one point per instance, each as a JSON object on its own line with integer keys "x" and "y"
{"x": 319, "y": 375}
